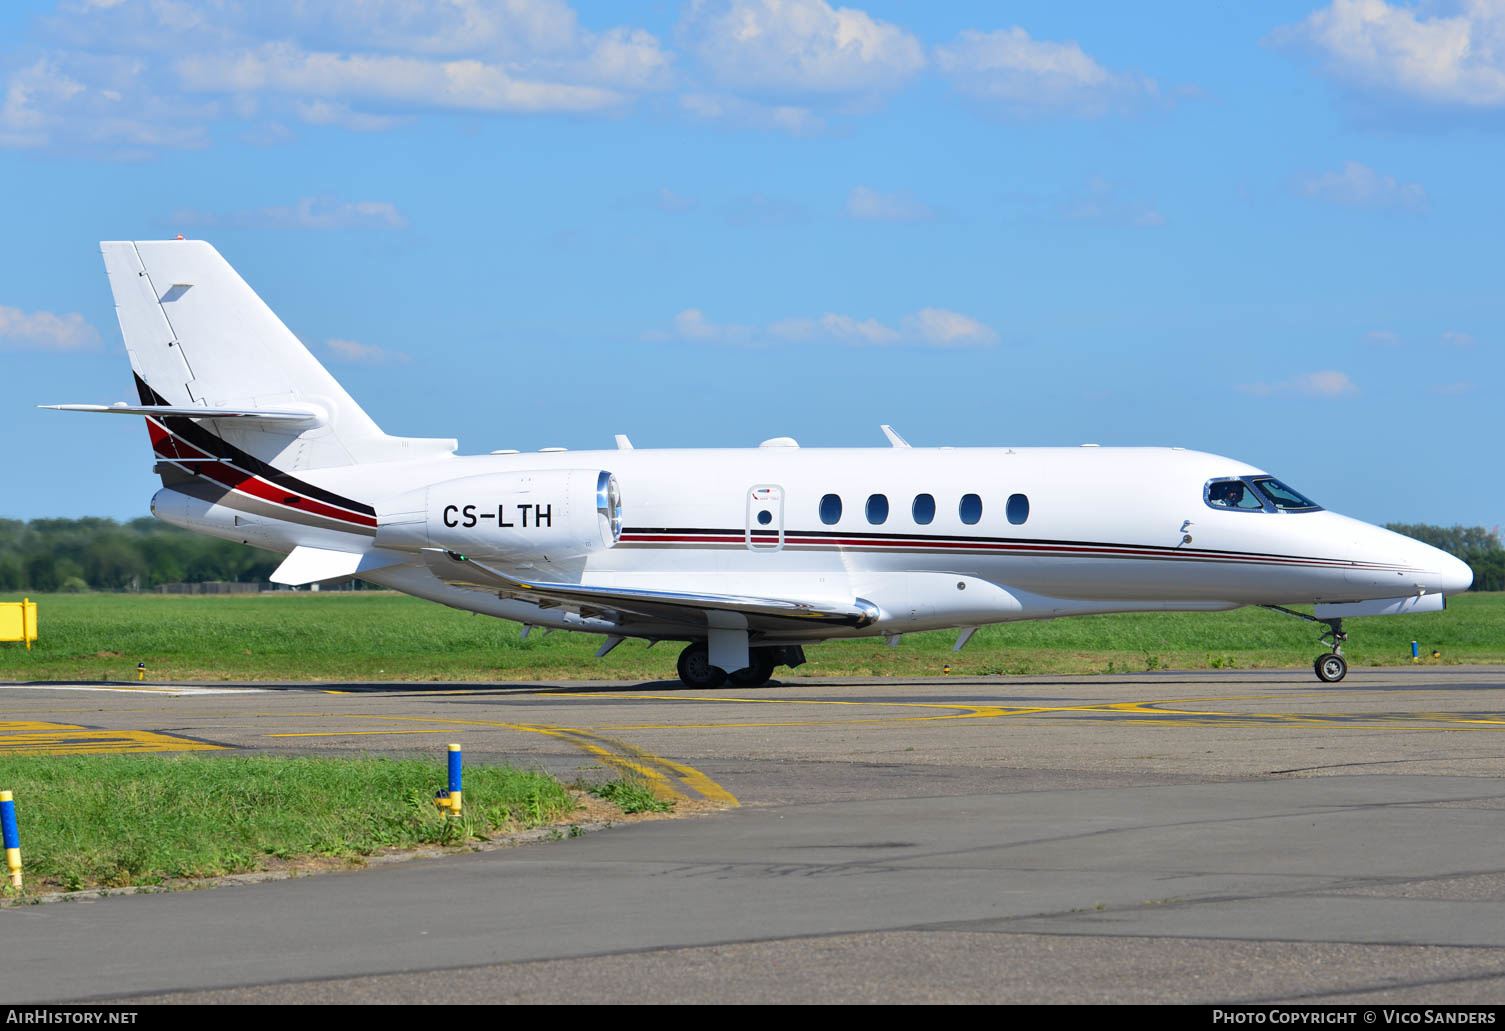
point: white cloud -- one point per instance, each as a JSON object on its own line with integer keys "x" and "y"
{"x": 468, "y": 85}
{"x": 748, "y": 114}
{"x": 97, "y": 102}
{"x": 941, "y": 328}
{"x": 1361, "y": 186}
{"x": 44, "y": 331}
{"x": 798, "y": 47}
{"x": 364, "y": 354}
{"x": 1457, "y": 340}
{"x": 928, "y": 328}
{"x": 156, "y": 74}
{"x": 1329, "y": 383}
{"x": 306, "y": 213}
{"x": 691, "y": 324}
{"x": 868, "y": 205}
{"x": 1455, "y": 59}
{"x": 1018, "y": 76}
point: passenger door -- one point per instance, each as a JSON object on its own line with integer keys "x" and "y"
{"x": 765, "y": 518}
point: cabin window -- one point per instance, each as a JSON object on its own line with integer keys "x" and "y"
{"x": 923, "y": 509}
{"x": 765, "y": 517}
{"x": 970, "y": 509}
{"x": 877, "y": 509}
{"x": 830, "y": 509}
{"x": 1017, "y": 509}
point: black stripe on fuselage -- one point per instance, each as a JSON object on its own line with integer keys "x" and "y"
{"x": 895, "y": 540}
{"x": 214, "y": 444}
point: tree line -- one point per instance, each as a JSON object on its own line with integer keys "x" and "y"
{"x": 103, "y": 555}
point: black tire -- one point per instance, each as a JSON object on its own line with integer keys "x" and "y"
{"x": 695, "y": 668}
{"x": 1330, "y": 668}
{"x": 758, "y": 673}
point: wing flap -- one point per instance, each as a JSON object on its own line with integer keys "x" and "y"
{"x": 690, "y": 608}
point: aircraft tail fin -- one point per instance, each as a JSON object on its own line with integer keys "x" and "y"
{"x": 199, "y": 338}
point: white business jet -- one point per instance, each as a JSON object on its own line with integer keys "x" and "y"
{"x": 746, "y": 555}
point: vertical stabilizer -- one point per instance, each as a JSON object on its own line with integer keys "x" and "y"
{"x": 198, "y": 336}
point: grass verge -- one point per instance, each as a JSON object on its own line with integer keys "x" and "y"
{"x": 117, "y": 821}
{"x": 374, "y": 636}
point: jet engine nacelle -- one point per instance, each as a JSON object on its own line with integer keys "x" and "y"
{"x": 548, "y": 516}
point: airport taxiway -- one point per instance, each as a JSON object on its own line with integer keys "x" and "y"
{"x": 1224, "y": 836}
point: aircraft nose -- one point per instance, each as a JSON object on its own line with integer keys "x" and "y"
{"x": 1454, "y": 574}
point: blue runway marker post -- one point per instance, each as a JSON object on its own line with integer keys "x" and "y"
{"x": 12, "y": 838}
{"x": 451, "y": 798}
{"x": 1415, "y": 656}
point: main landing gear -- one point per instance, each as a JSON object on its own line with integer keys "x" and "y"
{"x": 695, "y": 667}
{"x": 1332, "y": 667}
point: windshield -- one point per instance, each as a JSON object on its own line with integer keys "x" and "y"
{"x": 1283, "y": 497}
{"x": 1256, "y": 494}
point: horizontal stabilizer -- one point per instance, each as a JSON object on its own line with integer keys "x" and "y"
{"x": 693, "y": 609}
{"x": 263, "y": 414}
{"x": 313, "y": 565}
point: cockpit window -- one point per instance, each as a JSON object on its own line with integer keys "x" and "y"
{"x": 1283, "y": 497}
{"x": 1233, "y": 494}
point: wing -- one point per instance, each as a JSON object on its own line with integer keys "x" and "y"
{"x": 629, "y": 603}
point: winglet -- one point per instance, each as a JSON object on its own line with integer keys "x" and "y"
{"x": 893, "y": 438}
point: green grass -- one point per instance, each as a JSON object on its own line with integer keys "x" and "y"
{"x": 373, "y": 636}
{"x": 631, "y": 797}
{"x": 139, "y": 820}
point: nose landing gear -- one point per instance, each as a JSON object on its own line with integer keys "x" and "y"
{"x": 1332, "y": 667}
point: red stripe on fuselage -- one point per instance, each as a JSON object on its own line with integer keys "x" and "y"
{"x": 964, "y": 544}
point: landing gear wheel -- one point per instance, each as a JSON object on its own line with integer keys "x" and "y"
{"x": 1331, "y": 668}
{"x": 695, "y": 668}
{"x": 758, "y": 673}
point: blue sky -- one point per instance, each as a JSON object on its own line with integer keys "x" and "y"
{"x": 1268, "y": 230}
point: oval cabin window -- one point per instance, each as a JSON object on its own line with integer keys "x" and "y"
{"x": 1017, "y": 509}
{"x": 970, "y": 509}
{"x": 923, "y": 509}
{"x": 830, "y": 509}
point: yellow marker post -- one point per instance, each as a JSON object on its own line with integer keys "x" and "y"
{"x": 140, "y": 671}
{"x": 12, "y": 838}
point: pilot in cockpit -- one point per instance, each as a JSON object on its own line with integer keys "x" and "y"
{"x": 1226, "y": 495}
